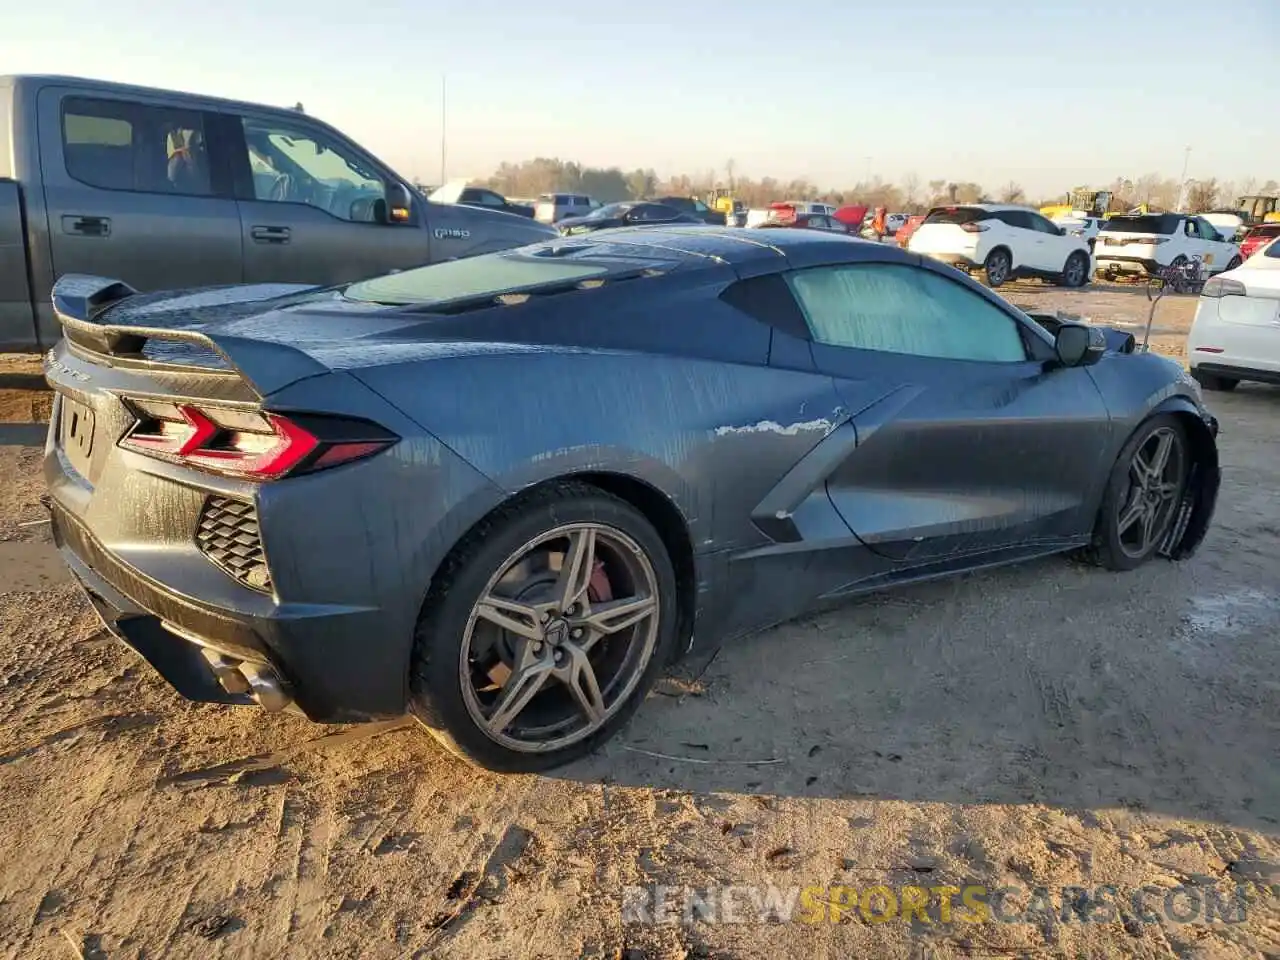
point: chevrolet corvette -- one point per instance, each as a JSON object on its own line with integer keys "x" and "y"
{"x": 502, "y": 494}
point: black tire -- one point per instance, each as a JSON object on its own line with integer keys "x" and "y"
{"x": 437, "y": 699}
{"x": 1075, "y": 272}
{"x": 998, "y": 266}
{"x": 1212, "y": 381}
{"x": 1111, "y": 546}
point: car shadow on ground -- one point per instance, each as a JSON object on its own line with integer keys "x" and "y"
{"x": 1052, "y": 683}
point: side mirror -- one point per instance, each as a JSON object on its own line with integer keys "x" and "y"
{"x": 398, "y": 203}
{"x": 1062, "y": 231}
{"x": 1079, "y": 345}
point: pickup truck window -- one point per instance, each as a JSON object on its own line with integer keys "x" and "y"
{"x": 116, "y": 145}
{"x": 297, "y": 165}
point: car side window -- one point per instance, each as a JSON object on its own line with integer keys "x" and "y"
{"x": 115, "y": 145}
{"x": 898, "y": 308}
{"x": 1208, "y": 231}
{"x": 1015, "y": 218}
{"x": 1043, "y": 224}
{"x": 299, "y": 165}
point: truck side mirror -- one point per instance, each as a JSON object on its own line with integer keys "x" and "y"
{"x": 398, "y": 203}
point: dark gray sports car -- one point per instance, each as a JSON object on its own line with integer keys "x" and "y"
{"x": 502, "y": 493}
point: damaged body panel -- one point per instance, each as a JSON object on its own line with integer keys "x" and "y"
{"x": 286, "y": 477}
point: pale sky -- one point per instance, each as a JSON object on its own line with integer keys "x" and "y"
{"x": 1052, "y": 94}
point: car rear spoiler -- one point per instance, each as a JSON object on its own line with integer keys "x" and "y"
{"x": 82, "y": 302}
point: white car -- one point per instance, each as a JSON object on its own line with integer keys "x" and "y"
{"x": 1085, "y": 226}
{"x": 1147, "y": 243}
{"x": 1005, "y": 242}
{"x": 1236, "y": 332}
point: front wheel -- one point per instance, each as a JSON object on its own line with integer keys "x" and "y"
{"x": 544, "y": 630}
{"x": 997, "y": 266}
{"x": 1143, "y": 494}
{"x": 1076, "y": 270}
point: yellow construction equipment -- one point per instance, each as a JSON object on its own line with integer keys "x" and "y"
{"x": 1259, "y": 208}
{"x": 1082, "y": 200}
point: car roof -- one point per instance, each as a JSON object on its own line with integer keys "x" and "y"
{"x": 750, "y": 252}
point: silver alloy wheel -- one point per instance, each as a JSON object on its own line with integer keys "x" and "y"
{"x": 550, "y": 651}
{"x": 997, "y": 268}
{"x": 1155, "y": 488}
{"x": 1073, "y": 273}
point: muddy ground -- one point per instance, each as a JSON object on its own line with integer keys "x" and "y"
{"x": 1047, "y": 726}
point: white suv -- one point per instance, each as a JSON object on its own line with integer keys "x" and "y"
{"x": 1147, "y": 243}
{"x": 1004, "y": 241}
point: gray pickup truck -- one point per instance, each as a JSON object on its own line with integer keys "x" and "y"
{"x": 168, "y": 190}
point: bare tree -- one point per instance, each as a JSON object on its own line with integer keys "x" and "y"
{"x": 910, "y": 191}
{"x": 1201, "y": 194}
{"x": 728, "y": 172}
{"x": 1012, "y": 193}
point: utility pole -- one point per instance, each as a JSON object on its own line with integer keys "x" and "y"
{"x": 1182, "y": 184}
{"x": 443, "y": 135}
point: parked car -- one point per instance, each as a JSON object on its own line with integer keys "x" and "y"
{"x": 1146, "y": 244}
{"x": 893, "y": 222}
{"x": 629, "y": 213}
{"x": 1236, "y": 331}
{"x": 1257, "y": 238}
{"x": 787, "y": 216}
{"x": 694, "y": 208}
{"x": 554, "y": 207}
{"x": 903, "y": 236}
{"x": 167, "y": 189}
{"x": 1003, "y": 241}
{"x": 759, "y": 214}
{"x": 479, "y": 197}
{"x": 1086, "y": 227}
{"x": 517, "y": 575}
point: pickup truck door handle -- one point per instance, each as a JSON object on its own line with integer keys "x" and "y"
{"x": 86, "y": 226}
{"x": 270, "y": 234}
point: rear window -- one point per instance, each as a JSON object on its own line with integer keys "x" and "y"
{"x": 488, "y": 275}
{"x": 1160, "y": 224}
{"x": 957, "y": 215}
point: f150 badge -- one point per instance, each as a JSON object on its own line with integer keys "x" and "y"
{"x": 452, "y": 233}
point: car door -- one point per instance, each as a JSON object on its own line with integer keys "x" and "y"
{"x": 131, "y": 192}
{"x": 1217, "y": 253}
{"x": 1027, "y": 243}
{"x": 966, "y": 443}
{"x": 312, "y": 206}
{"x": 1056, "y": 243}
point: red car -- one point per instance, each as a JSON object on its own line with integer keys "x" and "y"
{"x": 785, "y": 215}
{"x": 1257, "y": 238}
{"x": 907, "y": 229}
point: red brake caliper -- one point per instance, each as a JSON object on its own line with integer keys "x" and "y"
{"x": 599, "y": 590}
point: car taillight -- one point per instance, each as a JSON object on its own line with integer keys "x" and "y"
{"x": 248, "y": 444}
{"x": 1216, "y": 287}
{"x": 972, "y": 227}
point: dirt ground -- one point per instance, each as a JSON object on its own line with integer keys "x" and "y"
{"x": 1048, "y": 726}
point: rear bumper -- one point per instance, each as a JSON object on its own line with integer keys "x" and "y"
{"x": 326, "y": 658}
{"x": 1234, "y": 372}
{"x": 960, "y": 261}
{"x": 1120, "y": 264}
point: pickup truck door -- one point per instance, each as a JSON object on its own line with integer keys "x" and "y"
{"x": 130, "y": 192}
{"x": 307, "y": 206}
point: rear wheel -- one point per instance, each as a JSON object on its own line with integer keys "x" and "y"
{"x": 1212, "y": 381}
{"x": 544, "y": 631}
{"x": 1076, "y": 270}
{"x": 998, "y": 266}
{"x": 1143, "y": 494}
